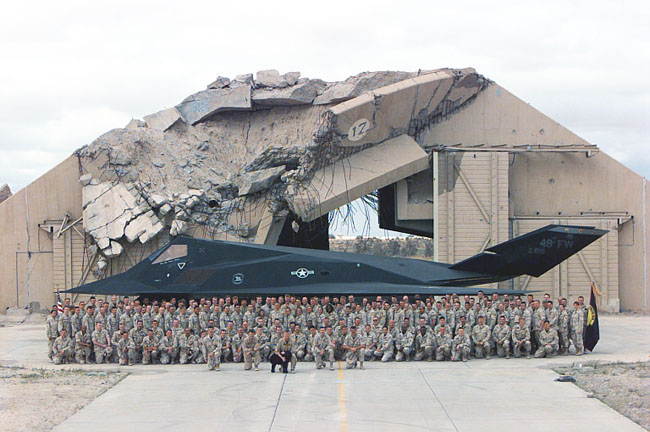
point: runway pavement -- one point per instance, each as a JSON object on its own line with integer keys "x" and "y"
{"x": 480, "y": 395}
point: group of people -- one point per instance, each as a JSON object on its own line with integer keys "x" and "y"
{"x": 287, "y": 329}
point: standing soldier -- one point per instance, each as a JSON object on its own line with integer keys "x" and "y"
{"x": 101, "y": 344}
{"x": 264, "y": 343}
{"x": 323, "y": 347}
{"x": 577, "y": 326}
{"x": 443, "y": 345}
{"x": 548, "y": 341}
{"x": 52, "y": 332}
{"x": 538, "y": 317}
{"x": 136, "y": 335}
{"x": 212, "y": 346}
{"x": 251, "y": 348}
{"x": 385, "y": 346}
{"x": 481, "y": 339}
{"x": 461, "y": 346}
{"x": 64, "y": 322}
{"x": 424, "y": 344}
{"x": 82, "y": 346}
{"x": 521, "y": 338}
{"x": 354, "y": 346}
{"x": 501, "y": 337}
{"x": 563, "y": 329}
{"x": 62, "y": 348}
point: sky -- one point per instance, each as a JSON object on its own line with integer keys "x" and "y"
{"x": 71, "y": 70}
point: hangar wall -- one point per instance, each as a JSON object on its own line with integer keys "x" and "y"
{"x": 550, "y": 179}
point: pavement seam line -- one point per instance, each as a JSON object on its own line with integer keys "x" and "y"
{"x": 277, "y": 404}
{"x": 439, "y": 402}
{"x": 341, "y": 398}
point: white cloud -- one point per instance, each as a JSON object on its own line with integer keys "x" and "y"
{"x": 73, "y": 70}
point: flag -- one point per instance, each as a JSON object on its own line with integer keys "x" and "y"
{"x": 592, "y": 332}
{"x": 59, "y": 305}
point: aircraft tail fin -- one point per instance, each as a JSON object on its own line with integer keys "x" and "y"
{"x": 534, "y": 253}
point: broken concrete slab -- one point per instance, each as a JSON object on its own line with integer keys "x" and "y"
{"x": 108, "y": 209}
{"x": 300, "y": 94}
{"x": 291, "y": 77}
{"x": 134, "y": 124}
{"x": 270, "y": 78}
{"x": 244, "y": 78}
{"x": 114, "y": 250}
{"x": 5, "y": 192}
{"x": 353, "y": 177}
{"x": 178, "y": 227}
{"x": 157, "y": 200}
{"x": 145, "y": 225}
{"x": 220, "y": 82}
{"x": 206, "y": 103}
{"x": 85, "y": 179}
{"x": 163, "y": 120}
{"x": 256, "y": 181}
{"x": 359, "y": 84}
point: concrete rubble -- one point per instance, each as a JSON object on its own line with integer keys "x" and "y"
{"x": 230, "y": 155}
{"x": 5, "y": 192}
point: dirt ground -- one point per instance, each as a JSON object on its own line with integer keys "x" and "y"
{"x": 40, "y": 399}
{"x": 624, "y": 387}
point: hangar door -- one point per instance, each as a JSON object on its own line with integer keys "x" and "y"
{"x": 598, "y": 262}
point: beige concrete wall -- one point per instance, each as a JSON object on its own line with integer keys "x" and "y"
{"x": 49, "y": 197}
{"x": 568, "y": 184}
{"x": 557, "y": 184}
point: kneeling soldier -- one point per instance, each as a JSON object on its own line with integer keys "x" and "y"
{"x": 354, "y": 347}
{"x": 521, "y": 338}
{"x": 461, "y": 346}
{"x": 82, "y": 344}
{"x": 62, "y": 348}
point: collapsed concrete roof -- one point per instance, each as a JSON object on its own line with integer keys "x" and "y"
{"x": 247, "y": 150}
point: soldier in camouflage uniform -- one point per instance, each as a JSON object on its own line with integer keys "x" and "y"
{"x": 82, "y": 346}
{"x": 62, "y": 349}
{"x": 481, "y": 339}
{"x": 252, "y": 349}
{"x": 136, "y": 335}
{"x": 168, "y": 348}
{"x": 149, "y": 348}
{"x": 323, "y": 348}
{"x": 443, "y": 345}
{"x": 122, "y": 349}
{"x": 212, "y": 347}
{"x": 577, "y": 326}
{"x": 563, "y": 329}
{"x": 354, "y": 346}
{"x": 226, "y": 346}
{"x": 404, "y": 345}
{"x": 299, "y": 342}
{"x": 264, "y": 343}
{"x": 424, "y": 344}
{"x": 285, "y": 349}
{"x": 52, "y": 332}
{"x": 185, "y": 352}
{"x": 521, "y": 338}
{"x": 548, "y": 341}
{"x": 101, "y": 344}
{"x": 461, "y": 346}
{"x": 385, "y": 346}
{"x": 501, "y": 337}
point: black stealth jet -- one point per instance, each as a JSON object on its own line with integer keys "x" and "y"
{"x": 189, "y": 267}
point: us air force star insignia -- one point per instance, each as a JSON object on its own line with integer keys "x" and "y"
{"x": 237, "y": 278}
{"x": 302, "y": 273}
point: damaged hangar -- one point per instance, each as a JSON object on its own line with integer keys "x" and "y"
{"x": 447, "y": 153}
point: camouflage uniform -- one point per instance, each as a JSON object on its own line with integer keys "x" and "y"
{"x": 404, "y": 346}
{"x": 300, "y": 345}
{"x": 385, "y": 347}
{"x": 351, "y": 358}
{"x": 135, "y": 349}
{"x": 212, "y": 347}
{"x": 63, "y": 350}
{"x": 287, "y": 346}
{"x": 149, "y": 350}
{"x": 548, "y": 343}
{"x": 82, "y": 353}
{"x": 443, "y": 346}
{"x": 461, "y": 347}
{"x": 101, "y": 353}
{"x": 501, "y": 337}
{"x": 481, "y": 339}
{"x": 252, "y": 351}
{"x": 577, "y": 326}
{"x": 322, "y": 342}
{"x": 424, "y": 346}
{"x": 521, "y": 339}
{"x": 563, "y": 331}
{"x": 168, "y": 356}
{"x": 52, "y": 332}
{"x": 123, "y": 347}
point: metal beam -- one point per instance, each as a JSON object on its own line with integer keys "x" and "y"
{"x": 471, "y": 191}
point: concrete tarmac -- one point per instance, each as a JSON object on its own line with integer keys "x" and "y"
{"x": 480, "y": 395}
